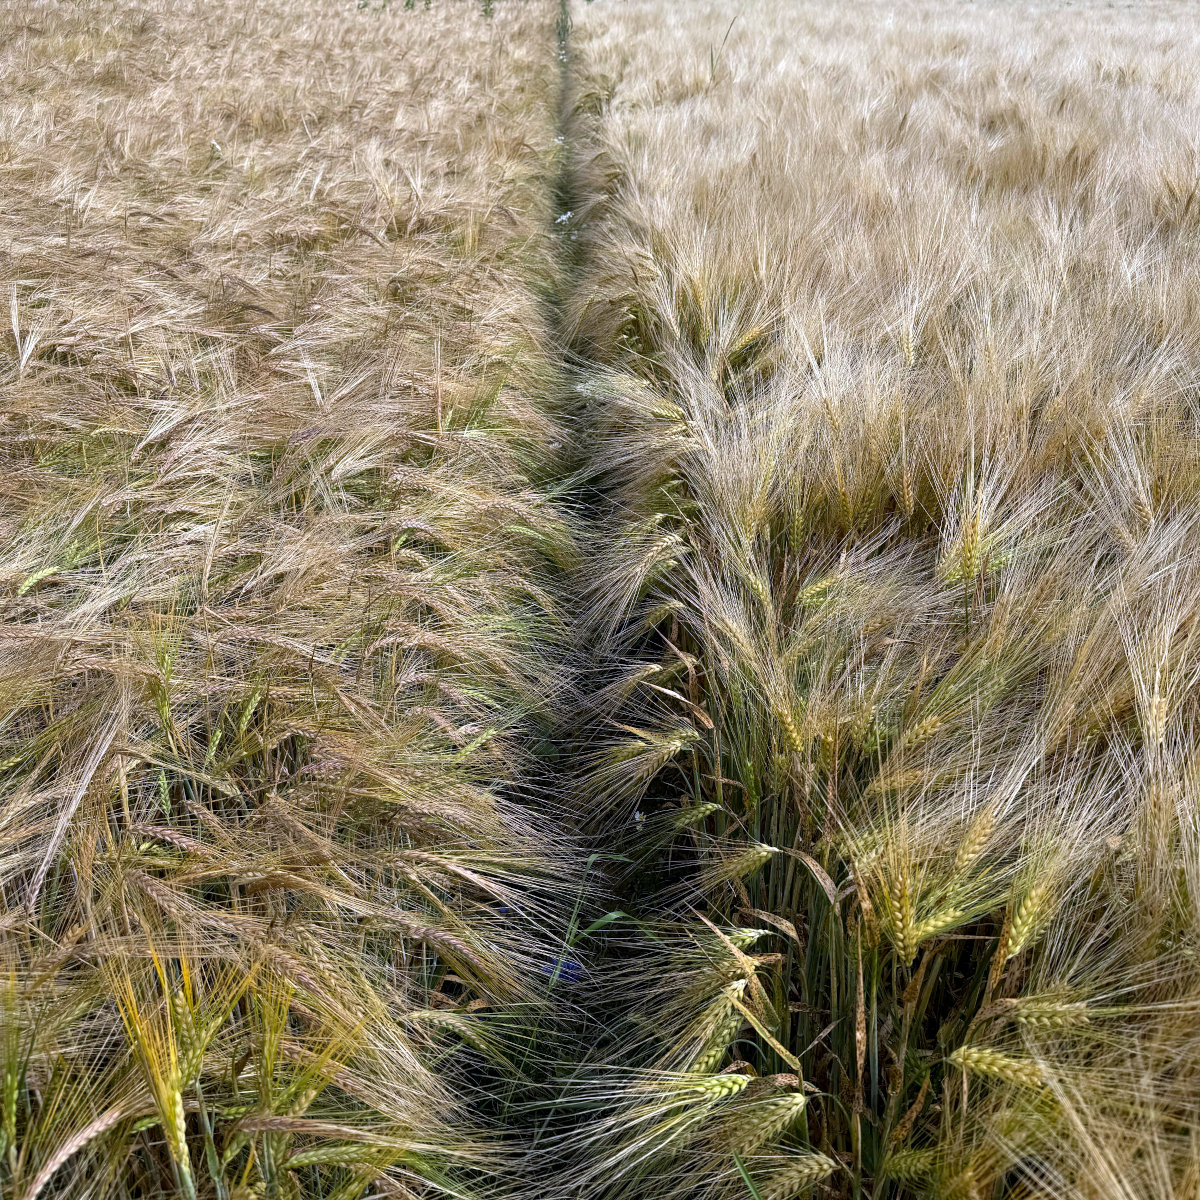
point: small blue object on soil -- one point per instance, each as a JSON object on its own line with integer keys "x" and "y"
{"x": 566, "y": 969}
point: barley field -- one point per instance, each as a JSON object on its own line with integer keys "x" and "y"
{"x": 277, "y": 526}
{"x": 600, "y": 601}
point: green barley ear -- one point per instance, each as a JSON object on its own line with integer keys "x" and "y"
{"x": 735, "y": 866}
{"x": 970, "y": 543}
{"x": 815, "y": 591}
{"x": 748, "y": 343}
{"x": 1028, "y": 917}
{"x": 1049, "y": 1013}
{"x": 891, "y": 780}
{"x": 863, "y": 719}
{"x": 724, "y": 1021}
{"x": 743, "y": 938}
{"x": 720, "y": 1087}
{"x": 921, "y": 732}
{"x": 791, "y": 729}
{"x": 864, "y": 849}
{"x": 802, "y": 1172}
{"x": 908, "y": 497}
{"x": 754, "y": 580}
{"x": 191, "y": 1045}
{"x": 901, "y": 917}
{"x": 33, "y": 580}
{"x": 684, "y": 818}
{"x": 974, "y": 842}
{"x": 940, "y": 922}
{"x": 979, "y": 1060}
{"x": 910, "y": 1166}
{"x": 762, "y": 1123}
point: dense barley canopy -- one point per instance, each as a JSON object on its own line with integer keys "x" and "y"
{"x": 275, "y": 539}
{"x": 892, "y": 320}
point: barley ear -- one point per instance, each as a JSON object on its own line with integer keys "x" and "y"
{"x": 1027, "y": 918}
{"x": 802, "y": 1172}
{"x": 900, "y": 910}
{"x": 979, "y": 1060}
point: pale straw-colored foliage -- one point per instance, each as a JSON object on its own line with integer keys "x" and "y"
{"x": 891, "y": 321}
{"x": 276, "y": 437}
